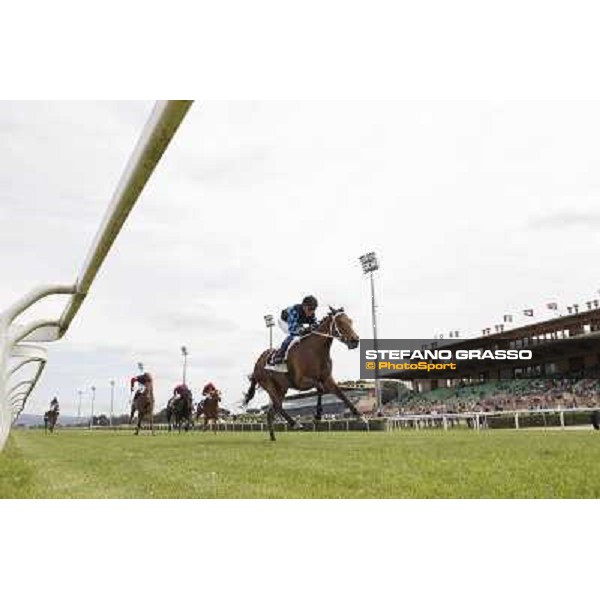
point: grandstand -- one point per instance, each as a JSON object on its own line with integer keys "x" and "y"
{"x": 564, "y": 372}
{"x": 567, "y": 345}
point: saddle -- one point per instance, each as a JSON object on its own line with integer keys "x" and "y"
{"x": 282, "y": 366}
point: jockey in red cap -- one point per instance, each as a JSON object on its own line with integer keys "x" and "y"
{"x": 208, "y": 388}
{"x": 183, "y": 391}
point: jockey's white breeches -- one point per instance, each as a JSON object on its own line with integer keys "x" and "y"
{"x": 138, "y": 387}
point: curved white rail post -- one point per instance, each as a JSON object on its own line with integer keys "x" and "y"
{"x": 9, "y": 338}
{"x": 41, "y": 356}
{"x": 21, "y": 383}
{"x": 27, "y": 354}
{"x": 159, "y": 130}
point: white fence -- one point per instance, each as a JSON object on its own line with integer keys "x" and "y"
{"x": 156, "y": 135}
{"x": 511, "y": 419}
{"x": 515, "y": 419}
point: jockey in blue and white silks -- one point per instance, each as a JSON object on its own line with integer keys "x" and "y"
{"x": 295, "y": 320}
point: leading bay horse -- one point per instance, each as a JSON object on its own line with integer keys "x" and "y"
{"x": 143, "y": 401}
{"x": 309, "y": 366}
{"x": 50, "y": 418}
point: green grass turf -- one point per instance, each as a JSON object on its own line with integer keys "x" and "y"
{"x": 404, "y": 464}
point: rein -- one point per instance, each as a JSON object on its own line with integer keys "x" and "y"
{"x": 331, "y": 326}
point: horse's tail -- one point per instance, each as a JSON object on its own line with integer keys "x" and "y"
{"x": 251, "y": 390}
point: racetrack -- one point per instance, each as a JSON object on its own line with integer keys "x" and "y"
{"x": 400, "y": 464}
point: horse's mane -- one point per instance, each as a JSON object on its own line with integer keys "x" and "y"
{"x": 332, "y": 312}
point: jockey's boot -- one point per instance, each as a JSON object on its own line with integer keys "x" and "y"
{"x": 277, "y": 357}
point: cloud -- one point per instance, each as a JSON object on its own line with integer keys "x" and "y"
{"x": 205, "y": 320}
{"x": 255, "y": 205}
{"x": 566, "y": 219}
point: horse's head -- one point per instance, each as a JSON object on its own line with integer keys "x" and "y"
{"x": 341, "y": 328}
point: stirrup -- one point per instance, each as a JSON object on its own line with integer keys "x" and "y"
{"x": 280, "y": 367}
{"x": 276, "y": 358}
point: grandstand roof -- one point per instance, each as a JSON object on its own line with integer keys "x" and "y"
{"x": 554, "y": 340}
{"x": 563, "y": 322}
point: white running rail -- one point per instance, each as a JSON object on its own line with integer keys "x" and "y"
{"x": 160, "y": 128}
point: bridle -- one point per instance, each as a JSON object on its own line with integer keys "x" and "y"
{"x": 334, "y": 330}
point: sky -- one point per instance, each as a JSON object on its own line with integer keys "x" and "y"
{"x": 475, "y": 210}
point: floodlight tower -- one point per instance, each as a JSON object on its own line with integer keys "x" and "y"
{"x": 112, "y": 400}
{"x": 184, "y": 353}
{"x": 270, "y": 322}
{"x": 79, "y": 393}
{"x": 370, "y": 264}
{"x": 93, "y": 388}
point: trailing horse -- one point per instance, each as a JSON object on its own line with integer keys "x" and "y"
{"x": 309, "y": 366}
{"x": 143, "y": 401}
{"x": 210, "y": 409}
{"x": 179, "y": 411}
{"x": 50, "y": 419}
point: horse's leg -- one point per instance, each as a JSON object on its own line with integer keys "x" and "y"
{"x": 270, "y": 416}
{"x": 284, "y": 413}
{"x": 290, "y": 420}
{"x": 152, "y": 421}
{"x": 319, "y": 409}
{"x": 276, "y": 393}
{"x": 278, "y": 407}
{"x": 329, "y": 385}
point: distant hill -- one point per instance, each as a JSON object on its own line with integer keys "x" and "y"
{"x": 25, "y": 420}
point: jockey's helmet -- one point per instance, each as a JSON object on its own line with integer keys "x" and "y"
{"x": 310, "y": 301}
{"x": 209, "y": 387}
